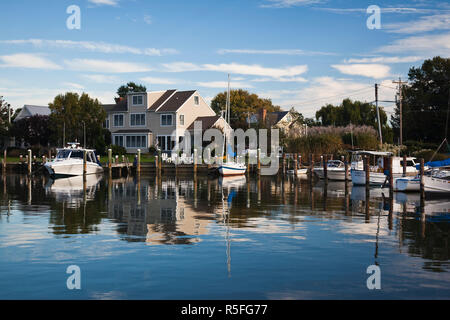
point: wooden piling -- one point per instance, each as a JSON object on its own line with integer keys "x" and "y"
{"x": 300, "y": 161}
{"x": 156, "y": 165}
{"x": 404, "y": 165}
{"x": 30, "y": 168}
{"x": 284, "y": 163}
{"x": 259, "y": 161}
{"x": 195, "y": 162}
{"x": 295, "y": 164}
{"x": 4, "y": 160}
{"x": 84, "y": 164}
{"x": 422, "y": 171}
{"x": 110, "y": 161}
{"x": 138, "y": 162}
{"x": 391, "y": 177}
{"x": 367, "y": 171}
{"x": 311, "y": 166}
{"x": 325, "y": 167}
{"x": 346, "y": 168}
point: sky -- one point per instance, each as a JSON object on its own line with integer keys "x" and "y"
{"x": 299, "y": 53}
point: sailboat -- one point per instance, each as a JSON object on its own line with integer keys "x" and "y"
{"x": 230, "y": 167}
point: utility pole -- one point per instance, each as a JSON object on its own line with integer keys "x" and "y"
{"x": 378, "y": 115}
{"x": 400, "y": 94}
{"x": 9, "y": 113}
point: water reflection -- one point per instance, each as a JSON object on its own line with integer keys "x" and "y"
{"x": 285, "y": 220}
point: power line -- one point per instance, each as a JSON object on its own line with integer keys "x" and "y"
{"x": 339, "y": 95}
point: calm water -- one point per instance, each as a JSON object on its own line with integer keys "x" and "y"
{"x": 218, "y": 239}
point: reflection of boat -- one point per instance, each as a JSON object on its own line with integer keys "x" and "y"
{"x": 233, "y": 182}
{"x": 69, "y": 162}
{"x": 72, "y": 189}
{"x": 438, "y": 181}
{"x": 300, "y": 172}
{"x": 359, "y": 193}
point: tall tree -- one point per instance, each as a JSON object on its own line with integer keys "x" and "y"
{"x": 72, "y": 110}
{"x": 426, "y": 102}
{"x": 242, "y": 105}
{"x": 35, "y": 130}
{"x": 129, "y": 88}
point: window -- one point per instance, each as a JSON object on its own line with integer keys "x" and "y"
{"x": 181, "y": 119}
{"x": 136, "y": 141}
{"x": 118, "y": 141}
{"x": 106, "y": 124}
{"x": 118, "y": 120}
{"x": 138, "y": 100}
{"x": 196, "y": 100}
{"x": 77, "y": 155}
{"x": 166, "y": 143}
{"x": 137, "y": 119}
{"x": 166, "y": 120}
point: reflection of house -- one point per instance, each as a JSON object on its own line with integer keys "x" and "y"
{"x": 142, "y": 120}
{"x": 158, "y": 214}
{"x": 283, "y": 120}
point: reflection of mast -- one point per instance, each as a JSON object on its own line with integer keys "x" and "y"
{"x": 377, "y": 236}
{"x": 226, "y": 218}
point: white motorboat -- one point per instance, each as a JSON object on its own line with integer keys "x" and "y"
{"x": 438, "y": 181}
{"x": 407, "y": 184}
{"x": 377, "y": 175}
{"x": 335, "y": 171}
{"x": 300, "y": 172}
{"x": 69, "y": 162}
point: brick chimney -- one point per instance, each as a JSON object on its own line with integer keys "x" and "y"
{"x": 262, "y": 115}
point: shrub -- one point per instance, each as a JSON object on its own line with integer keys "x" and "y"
{"x": 117, "y": 150}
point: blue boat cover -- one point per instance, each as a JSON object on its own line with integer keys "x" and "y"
{"x": 436, "y": 164}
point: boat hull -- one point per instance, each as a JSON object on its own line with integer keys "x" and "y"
{"x": 338, "y": 175}
{"x": 232, "y": 170}
{"x": 59, "y": 170}
{"x": 375, "y": 178}
{"x": 407, "y": 184}
{"x": 433, "y": 184}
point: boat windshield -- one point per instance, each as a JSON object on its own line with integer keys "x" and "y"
{"x": 63, "y": 154}
{"x": 77, "y": 154}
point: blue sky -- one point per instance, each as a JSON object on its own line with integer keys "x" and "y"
{"x": 299, "y": 53}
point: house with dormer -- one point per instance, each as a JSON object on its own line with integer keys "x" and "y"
{"x": 143, "y": 120}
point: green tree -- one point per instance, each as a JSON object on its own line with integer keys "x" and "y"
{"x": 129, "y": 88}
{"x": 426, "y": 101}
{"x": 35, "y": 130}
{"x": 242, "y": 104}
{"x": 73, "y": 110}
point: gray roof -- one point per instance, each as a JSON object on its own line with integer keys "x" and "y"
{"x": 117, "y": 107}
{"x": 31, "y": 110}
{"x": 176, "y": 101}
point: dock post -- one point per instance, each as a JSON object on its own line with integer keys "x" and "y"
{"x": 422, "y": 171}
{"x": 159, "y": 162}
{"x": 248, "y": 164}
{"x": 344, "y": 159}
{"x": 4, "y": 161}
{"x": 284, "y": 163}
{"x": 325, "y": 167}
{"x": 110, "y": 161}
{"x": 49, "y": 154}
{"x": 367, "y": 171}
{"x": 30, "y": 159}
{"x": 311, "y": 166}
{"x": 156, "y": 165}
{"x": 195, "y": 162}
{"x": 295, "y": 164}
{"x": 391, "y": 177}
{"x": 259, "y": 161}
{"x": 138, "y": 162}
{"x": 84, "y": 164}
{"x": 404, "y": 165}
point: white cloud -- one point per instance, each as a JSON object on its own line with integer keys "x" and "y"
{"x": 407, "y": 59}
{"x": 423, "y": 24}
{"x": 291, "y": 52}
{"x": 224, "y": 84}
{"x": 288, "y": 3}
{"x": 393, "y": 10}
{"x": 235, "y": 68}
{"x": 429, "y": 45}
{"x": 105, "y": 66}
{"x": 102, "y": 47}
{"x": 105, "y": 2}
{"x": 26, "y": 60}
{"x": 148, "y": 19}
{"x": 73, "y": 85}
{"x": 153, "y": 80}
{"x": 281, "y": 79}
{"x": 101, "y": 78}
{"x": 375, "y": 71}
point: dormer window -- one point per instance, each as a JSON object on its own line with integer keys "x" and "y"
{"x": 196, "y": 100}
{"x": 138, "y": 100}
